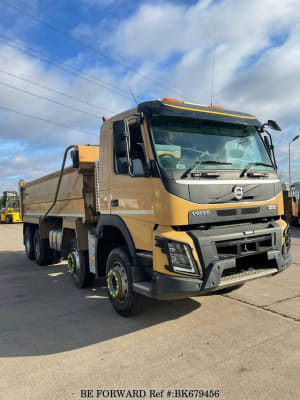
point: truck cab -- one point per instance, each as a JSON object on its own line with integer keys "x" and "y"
{"x": 184, "y": 200}
{"x": 197, "y": 192}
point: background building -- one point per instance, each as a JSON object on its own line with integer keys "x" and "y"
{"x": 296, "y": 190}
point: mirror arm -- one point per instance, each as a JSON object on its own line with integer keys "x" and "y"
{"x": 139, "y": 118}
{"x": 271, "y": 147}
{"x": 127, "y": 139}
{"x": 261, "y": 129}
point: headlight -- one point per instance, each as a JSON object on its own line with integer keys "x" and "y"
{"x": 181, "y": 258}
{"x": 287, "y": 240}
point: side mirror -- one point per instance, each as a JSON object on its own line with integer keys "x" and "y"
{"x": 119, "y": 129}
{"x": 273, "y": 125}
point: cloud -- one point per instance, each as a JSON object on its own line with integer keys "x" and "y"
{"x": 24, "y": 66}
{"x": 24, "y": 138}
{"x": 257, "y": 60}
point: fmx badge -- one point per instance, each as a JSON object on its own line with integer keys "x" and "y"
{"x": 238, "y": 192}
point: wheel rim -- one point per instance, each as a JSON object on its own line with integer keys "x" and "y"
{"x": 117, "y": 282}
{"x": 74, "y": 263}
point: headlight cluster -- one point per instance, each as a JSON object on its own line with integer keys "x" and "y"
{"x": 181, "y": 258}
{"x": 287, "y": 240}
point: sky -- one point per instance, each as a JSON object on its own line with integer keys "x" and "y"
{"x": 83, "y": 59}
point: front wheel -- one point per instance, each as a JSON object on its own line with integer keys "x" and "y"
{"x": 7, "y": 220}
{"x": 119, "y": 282}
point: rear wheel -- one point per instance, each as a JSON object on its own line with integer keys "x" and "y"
{"x": 7, "y": 220}
{"x": 119, "y": 282}
{"x": 28, "y": 239}
{"x": 78, "y": 266}
{"x": 42, "y": 252}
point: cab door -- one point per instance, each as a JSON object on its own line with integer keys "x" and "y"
{"x": 131, "y": 189}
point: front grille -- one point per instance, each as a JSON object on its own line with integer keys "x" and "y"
{"x": 229, "y": 212}
{"x": 252, "y": 210}
{"x": 244, "y": 246}
{"x": 226, "y": 213}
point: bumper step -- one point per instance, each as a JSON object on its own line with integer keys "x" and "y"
{"x": 246, "y": 276}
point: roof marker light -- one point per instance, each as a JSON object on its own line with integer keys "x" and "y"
{"x": 171, "y": 100}
{"x": 218, "y": 107}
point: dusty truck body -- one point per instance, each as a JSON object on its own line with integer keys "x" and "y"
{"x": 72, "y": 214}
{"x": 181, "y": 200}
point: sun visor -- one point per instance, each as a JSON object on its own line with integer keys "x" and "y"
{"x": 186, "y": 110}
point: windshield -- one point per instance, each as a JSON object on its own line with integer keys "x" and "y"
{"x": 180, "y": 143}
{"x": 12, "y": 204}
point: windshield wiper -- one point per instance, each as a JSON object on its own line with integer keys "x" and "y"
{"x": 250, "y": 165}
{"x": 192, "y": 171}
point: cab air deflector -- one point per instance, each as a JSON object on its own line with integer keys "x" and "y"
{"x": 197, "y": 112}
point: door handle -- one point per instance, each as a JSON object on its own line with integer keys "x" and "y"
{"x": 114, "y": 203}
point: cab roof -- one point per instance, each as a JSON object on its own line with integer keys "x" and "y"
{"x": 196, "y": 111}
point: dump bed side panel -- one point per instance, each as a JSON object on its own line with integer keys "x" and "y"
{"x": 38, "y": 196}
{"x": 76, "y": 196}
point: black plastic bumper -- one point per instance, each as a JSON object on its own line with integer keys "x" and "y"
{"x": 166, "y": 287}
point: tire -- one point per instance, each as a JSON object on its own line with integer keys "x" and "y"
{"x": 78, "y": 266}
{"x": 119, "y": 282}
{"x": 7, "y": 220}
{"x": 42, "y": 253}
{"x": 28, "y": 240}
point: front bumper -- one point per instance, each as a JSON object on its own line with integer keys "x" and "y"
{"x": 166, "y": 287}
{"x": 228, "y": 255}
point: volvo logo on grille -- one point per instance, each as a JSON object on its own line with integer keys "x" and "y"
{"x": 238, "y": 192}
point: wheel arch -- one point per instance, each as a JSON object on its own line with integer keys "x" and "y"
{"x": 112, "y": 232}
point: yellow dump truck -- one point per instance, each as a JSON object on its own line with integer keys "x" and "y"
{"x": 178, "y": 200}
{"x": 10, "y": 212}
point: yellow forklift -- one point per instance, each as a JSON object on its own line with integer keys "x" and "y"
{"x": 10, "y": 212}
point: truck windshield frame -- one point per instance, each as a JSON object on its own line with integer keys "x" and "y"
{"x": 179, "y": 143}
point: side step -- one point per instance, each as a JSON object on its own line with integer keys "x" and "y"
{"x": 246, "y": 276}
{"x": 144, "y": 288}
